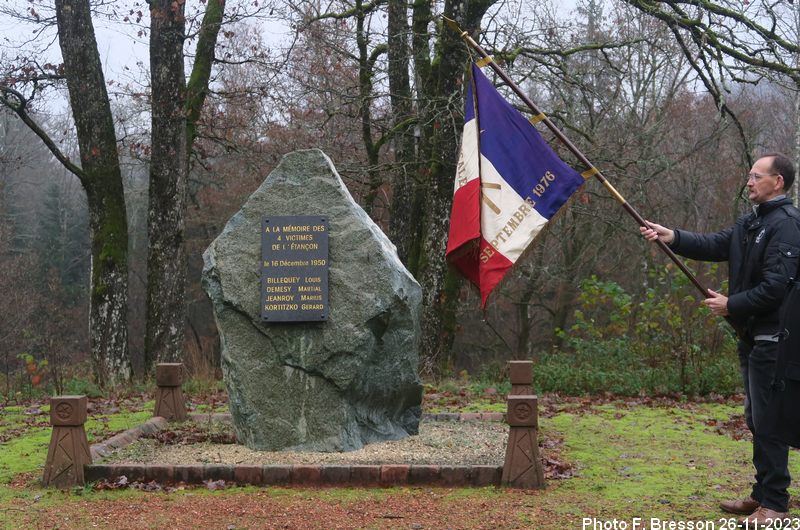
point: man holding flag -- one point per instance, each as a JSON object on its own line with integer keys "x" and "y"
{"x": 762, "y": 249}
{"x": 509, "y": 183}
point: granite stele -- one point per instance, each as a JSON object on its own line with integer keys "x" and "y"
{"x": 317, "y": 386}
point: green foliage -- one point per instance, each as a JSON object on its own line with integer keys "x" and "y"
{"x": 77, "y": 386}
{"x": 34, "y": 367}
{"x": 25, "y": 382}
{"x": 203, "y": 386}
{"x": 493, "y": 373}
{"x": 36, "y": 378}
{"x": 24, "y": 454}
{"x": 465, "y": 395}
{"x": 466, "y": 387}
{"x": 663, "y": 342}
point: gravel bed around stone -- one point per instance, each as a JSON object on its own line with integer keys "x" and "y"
{"x": 438, "y": 442}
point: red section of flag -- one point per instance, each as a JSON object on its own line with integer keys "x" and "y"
{"x": 481, "y": 264}
{"x": 465, "y": 260}
{"x": 465, "y": 229}
{"x": 465, "y": 216}
{"x": 493, "y": 266}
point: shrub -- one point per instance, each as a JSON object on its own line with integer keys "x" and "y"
{"x": 666, "y": 343}
{"x": 82, "y": 386}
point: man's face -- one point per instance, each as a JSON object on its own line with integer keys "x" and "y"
{"x": 763, "y": 184}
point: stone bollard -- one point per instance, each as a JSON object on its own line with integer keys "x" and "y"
{"x": 522, "y": 467}
{"x": 69, "y": 449}
{"x": 169, "y": 397}
{"x": 521, "y": 375}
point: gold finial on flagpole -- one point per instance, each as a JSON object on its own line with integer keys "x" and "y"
{"x": 452, "y": 24}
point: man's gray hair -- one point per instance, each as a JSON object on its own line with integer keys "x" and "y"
{"x": 782, "y": 165}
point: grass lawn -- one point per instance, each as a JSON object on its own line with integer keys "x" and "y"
{"x": 632, "y": 459}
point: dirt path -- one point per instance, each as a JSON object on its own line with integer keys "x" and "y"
{"x": 432, "y": 508}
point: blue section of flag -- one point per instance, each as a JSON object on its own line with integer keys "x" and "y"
{"x": 518, "y": 152}
{"x": 469, "y": 104}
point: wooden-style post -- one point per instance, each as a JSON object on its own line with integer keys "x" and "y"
{"x": 69, "y": 449}
{"x": 169, "y": 397}
{"x": 523, "y": 466}
{"x": 521, "y": 375}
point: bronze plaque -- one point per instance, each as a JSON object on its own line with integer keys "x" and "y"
{"x": 294, "y": 269}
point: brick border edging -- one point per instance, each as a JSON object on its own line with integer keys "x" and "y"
{"x": 307, "y": 475}
{"x": 319, "y": 475}
{"x": 437, "y": 416}
{"x": 465, "y": 416}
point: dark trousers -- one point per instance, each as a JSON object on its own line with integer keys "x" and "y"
{"x": 770, "y": 456}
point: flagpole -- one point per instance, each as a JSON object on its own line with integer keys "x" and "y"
{"x": 540, "y": 116}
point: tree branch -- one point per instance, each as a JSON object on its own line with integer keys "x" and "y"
{"x": 707, "y": 38}
{"x": 399, "y": 127}
{"x": 17, "y": 103}
{"x": 362, "y": 9}
{"x": 197, "y": 87}
{"x": 530, "y": 52}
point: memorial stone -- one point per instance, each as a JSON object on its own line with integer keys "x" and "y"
{"x": 330, "y": 385}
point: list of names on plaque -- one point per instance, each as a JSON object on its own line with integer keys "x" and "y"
{"x": 294, "y": 269}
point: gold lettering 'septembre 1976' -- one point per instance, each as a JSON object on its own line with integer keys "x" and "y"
{"x": 515, "y": 219}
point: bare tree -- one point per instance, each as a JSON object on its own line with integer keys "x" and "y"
{"x": 175, "y": 118}
{"x": 733, "y": 42}
{"x": 100, "y": 176}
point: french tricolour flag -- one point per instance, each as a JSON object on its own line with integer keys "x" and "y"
{"x": 508, "y": 184}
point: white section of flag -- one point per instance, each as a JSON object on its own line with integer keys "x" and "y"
{"x": 508, "y": 201}
{"x": 467, "y": 169}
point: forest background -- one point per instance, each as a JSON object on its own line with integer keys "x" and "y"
{"x": 671, "y": 100}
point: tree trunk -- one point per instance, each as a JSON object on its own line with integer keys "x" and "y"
{"x": 166, "y": 259}
{"x": 411, "y": 236}
{"x": 443, "y": 124}
{"x": 365, "y": 73}
{"x": 108, "y": 305}
{"x": 400, "y": 94}
{"x": 197, "y": 89}
{"x": 101, "y": 178}
{"x": 795, "y": 185}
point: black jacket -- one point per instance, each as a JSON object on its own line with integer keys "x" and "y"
{"x": 762, "y": 250}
